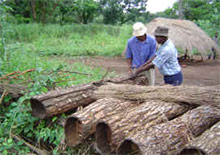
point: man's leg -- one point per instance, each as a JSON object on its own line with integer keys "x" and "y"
{"x": 151, "y": 76}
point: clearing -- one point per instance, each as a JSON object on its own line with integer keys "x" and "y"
{"x": 205, "y": 73}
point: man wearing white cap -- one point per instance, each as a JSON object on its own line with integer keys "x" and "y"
{"x": 141, "y": 48}
{"x": 165, "y": 60}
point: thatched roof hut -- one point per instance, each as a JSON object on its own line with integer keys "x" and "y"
{"x": 185, "y": 34}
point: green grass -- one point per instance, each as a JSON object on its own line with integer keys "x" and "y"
{"x": 71, "y": 40}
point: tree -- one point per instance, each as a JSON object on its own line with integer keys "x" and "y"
{"x": 121, "y": 11}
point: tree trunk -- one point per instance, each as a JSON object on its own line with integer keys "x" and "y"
{"x": 14, "y": 90}
{"x": 207, "y": 143}
{"x": 131, "y": 121}
{"x": 62, "y": 100}
{"x": 82, "y": 123}
{"x": 180, "y": 9}
{"x": 170, "y": 137}
{"x": 33, "y": 7}
{"x": 179, "y": 94}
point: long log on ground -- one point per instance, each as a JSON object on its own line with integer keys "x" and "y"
{"x": 13, "y": 89}
{"x": 82, "y": 123}
{"x": 144, "y": 116}
{"x": 62, "y": 100}
{"x": 188, "y": 94}
{"x": 170, "y": 137}
{"x": 208, "y": 143}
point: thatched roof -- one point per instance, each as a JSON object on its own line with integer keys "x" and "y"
{"x": 185, "y": 35}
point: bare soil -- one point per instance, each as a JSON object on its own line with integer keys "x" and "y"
{"x": 203, "y": 73}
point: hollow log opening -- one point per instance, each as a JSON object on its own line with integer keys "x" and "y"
{"x": 103, "y": 138}
{"x": 72, "y": 129}
{"x": 192, "y": 151}
{"x": 38, "y": 109}
{"x": 128, "y": 147}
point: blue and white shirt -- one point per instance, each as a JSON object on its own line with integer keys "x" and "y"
{"x": 140, "y": 52}
{"x": 166, "y": 59}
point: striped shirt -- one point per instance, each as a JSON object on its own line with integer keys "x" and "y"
{"x": 166, "y": 59}
{"x": 140, "y": 52}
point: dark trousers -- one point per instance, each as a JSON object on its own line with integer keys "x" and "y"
{"x": 174, "y": 80}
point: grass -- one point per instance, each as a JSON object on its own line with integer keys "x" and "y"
{"x": 71, "y": 40}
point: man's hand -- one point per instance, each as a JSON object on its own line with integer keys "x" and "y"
{"x": 132, "y": 75}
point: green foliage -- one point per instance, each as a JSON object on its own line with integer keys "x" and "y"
{"x": 74, "y": 40}
{"x": 122, "y": 11}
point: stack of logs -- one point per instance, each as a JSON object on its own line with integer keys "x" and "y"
{"x": 133, "y": 119}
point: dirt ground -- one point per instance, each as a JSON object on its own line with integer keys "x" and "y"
{"x": 203, "y": 73}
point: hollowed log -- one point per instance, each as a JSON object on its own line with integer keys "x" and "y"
{"x": 170, "y": 137}
{"x": 90, "y": 115}
{"x": 187, "y": 94}
{"x": 133, "y": 120}
{"x": 207, "y": 143}
{"x": 59, "y": 101}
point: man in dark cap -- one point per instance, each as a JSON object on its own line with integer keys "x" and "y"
{"x": 165, "y": 59}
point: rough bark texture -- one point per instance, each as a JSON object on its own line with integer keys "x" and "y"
{"x": 188, "y": 94}
{"x": 14, "y": 90}
{"x": 170, "y": 137}
{"x": 62, "y": 100}
{"x": 207, "y": 143}
{"x": 82, "y": 123}
{"x": 111, "y": 131}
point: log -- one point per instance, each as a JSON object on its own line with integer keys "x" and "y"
{"x": 170, "y": 137}
{"x": 62, "y": 100}
{"x": 111, "y": 131}
{"x": 14, "y": 90}
{"x": 186, "y": 94}
{"x": 207, "y": 143}
{"x": 82, "y": 123}
{"x": 66, "y": 99}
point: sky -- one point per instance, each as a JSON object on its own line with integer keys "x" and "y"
{"x": 154, "y": 6}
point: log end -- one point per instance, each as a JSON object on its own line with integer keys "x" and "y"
{"x": 38, "y": 109}
{"x": 103, "y": 138}
{"x": 72, "y": 130}
{"x": 192, "y": 151}
{"x": 129, "y": 147}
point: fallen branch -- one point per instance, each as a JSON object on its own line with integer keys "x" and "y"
{"x": 3, "y": 95}
{"x": 33, "y": 148}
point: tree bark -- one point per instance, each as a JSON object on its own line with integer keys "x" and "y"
{"x": 82, "y": 123}
{"x": 207, "y": 143}
{"x": 170, "y": 137}
{"x": 33, "y": 8}
{"x": 179, "y": 94}
{"x": 14, "y": 90}
{"x": 62, "y": 100}
{"x": 133, "y": 120}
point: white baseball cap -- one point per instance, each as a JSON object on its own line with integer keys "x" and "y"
{"x": 139, "y": 29}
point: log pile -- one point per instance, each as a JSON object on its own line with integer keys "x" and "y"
{"x": 170, "y": 137}
{"x": 144, "y": 115}
{"x": 134, "y": 119}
